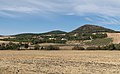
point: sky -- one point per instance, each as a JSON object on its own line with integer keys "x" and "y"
{"x": 38, "y": 16}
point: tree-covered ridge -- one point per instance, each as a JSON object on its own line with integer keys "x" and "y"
{"x": 55, "y": 32}
{"x": 91, "y": 29}
{"x": 83, "y": 30}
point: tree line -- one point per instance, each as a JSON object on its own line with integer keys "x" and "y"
{"x": 107, "y": 47}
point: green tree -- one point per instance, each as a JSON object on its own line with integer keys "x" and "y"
{"x": 26, "y": 46}
{"x": 78, "y": 48}
{"x": 51, "y": 47}
{"x": 37, "y": 47}
{"x": 111, "y": 47}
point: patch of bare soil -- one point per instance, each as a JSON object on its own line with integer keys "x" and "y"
{"x": 115, "y": 37}
{"x": 60, "y": 62}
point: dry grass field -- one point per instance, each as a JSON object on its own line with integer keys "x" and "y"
{"x": 115, "y": 37}
{"x": 59, "y": 62}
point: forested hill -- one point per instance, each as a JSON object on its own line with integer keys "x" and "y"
{"x": 91, "y": 29}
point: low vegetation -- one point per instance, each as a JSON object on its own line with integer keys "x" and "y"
{"x": 99, "y": 42}
{"x": 110, "y": 47}
{"x": 9, "y": 46}
{"x": 93, "y": 48}
{"x": 107, "y": 47}
{"x": 78, "y": 48}
{"x": 51, "y": 47}
{"x": 37, "y": 47}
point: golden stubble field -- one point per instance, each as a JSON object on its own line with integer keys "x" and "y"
{"x": 59, "y": 62}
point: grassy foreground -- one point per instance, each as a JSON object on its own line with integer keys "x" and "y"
{"x": 59, "y": 62}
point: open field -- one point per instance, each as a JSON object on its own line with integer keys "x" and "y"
{"x": 59, "y": 62}
{"x": 115, "y": 37}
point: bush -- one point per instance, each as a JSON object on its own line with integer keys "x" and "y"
{"x": 26, "y": 46}
{"x": 104, "y": 48}
{"x": 78, "y": 48}
{"x": 51, "y": 47}
{"x": 117, "y": 46}
{"x": 9, "y": 46}
{"x": 37, "y": 47}
{"x": 92, "y": 48}
{"x": 110, "y": 47}
{"x": 99, "y": 36}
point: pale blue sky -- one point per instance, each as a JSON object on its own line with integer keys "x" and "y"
{"x": 37, "y": 16}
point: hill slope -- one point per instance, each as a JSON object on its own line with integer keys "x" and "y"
{"x": 91, "y": 29}
{"x": 55, "y": 32}
{"x": 25, "y": 35}
{"x": 36, "y": 34}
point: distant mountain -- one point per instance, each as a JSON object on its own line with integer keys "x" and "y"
{"x": 55, "y": 32}
{"x": 91, "y": 29}
{"x": 88, "y": 28}
{"x": 25, "y": 35}
{"x": 36, "y": 34}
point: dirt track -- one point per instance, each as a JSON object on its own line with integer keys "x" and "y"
{"x": 59, "y": 62}
{"x": 115, "y": 37}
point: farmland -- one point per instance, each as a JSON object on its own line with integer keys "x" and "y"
{"x": 115, "y": 37}
{"x": 59, "y": 62}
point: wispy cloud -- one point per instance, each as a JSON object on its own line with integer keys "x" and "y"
{"x": 107, "y": 10}
{"x": 77, "y": 7}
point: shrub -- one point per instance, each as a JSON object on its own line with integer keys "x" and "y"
{"x": 51, "y": 47}
{"x": 92, "y": 48}
{"x": 78, "y": 48}
{"x": 99, "y": 36}
{"x": 117, "y": 46}
{"x": 37, "y": 47}
{"x": 104, "y": 48}
{"x": 111, "y": 47}
{"x": 26, "y": 46}
{"x": 9, "y": 46}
